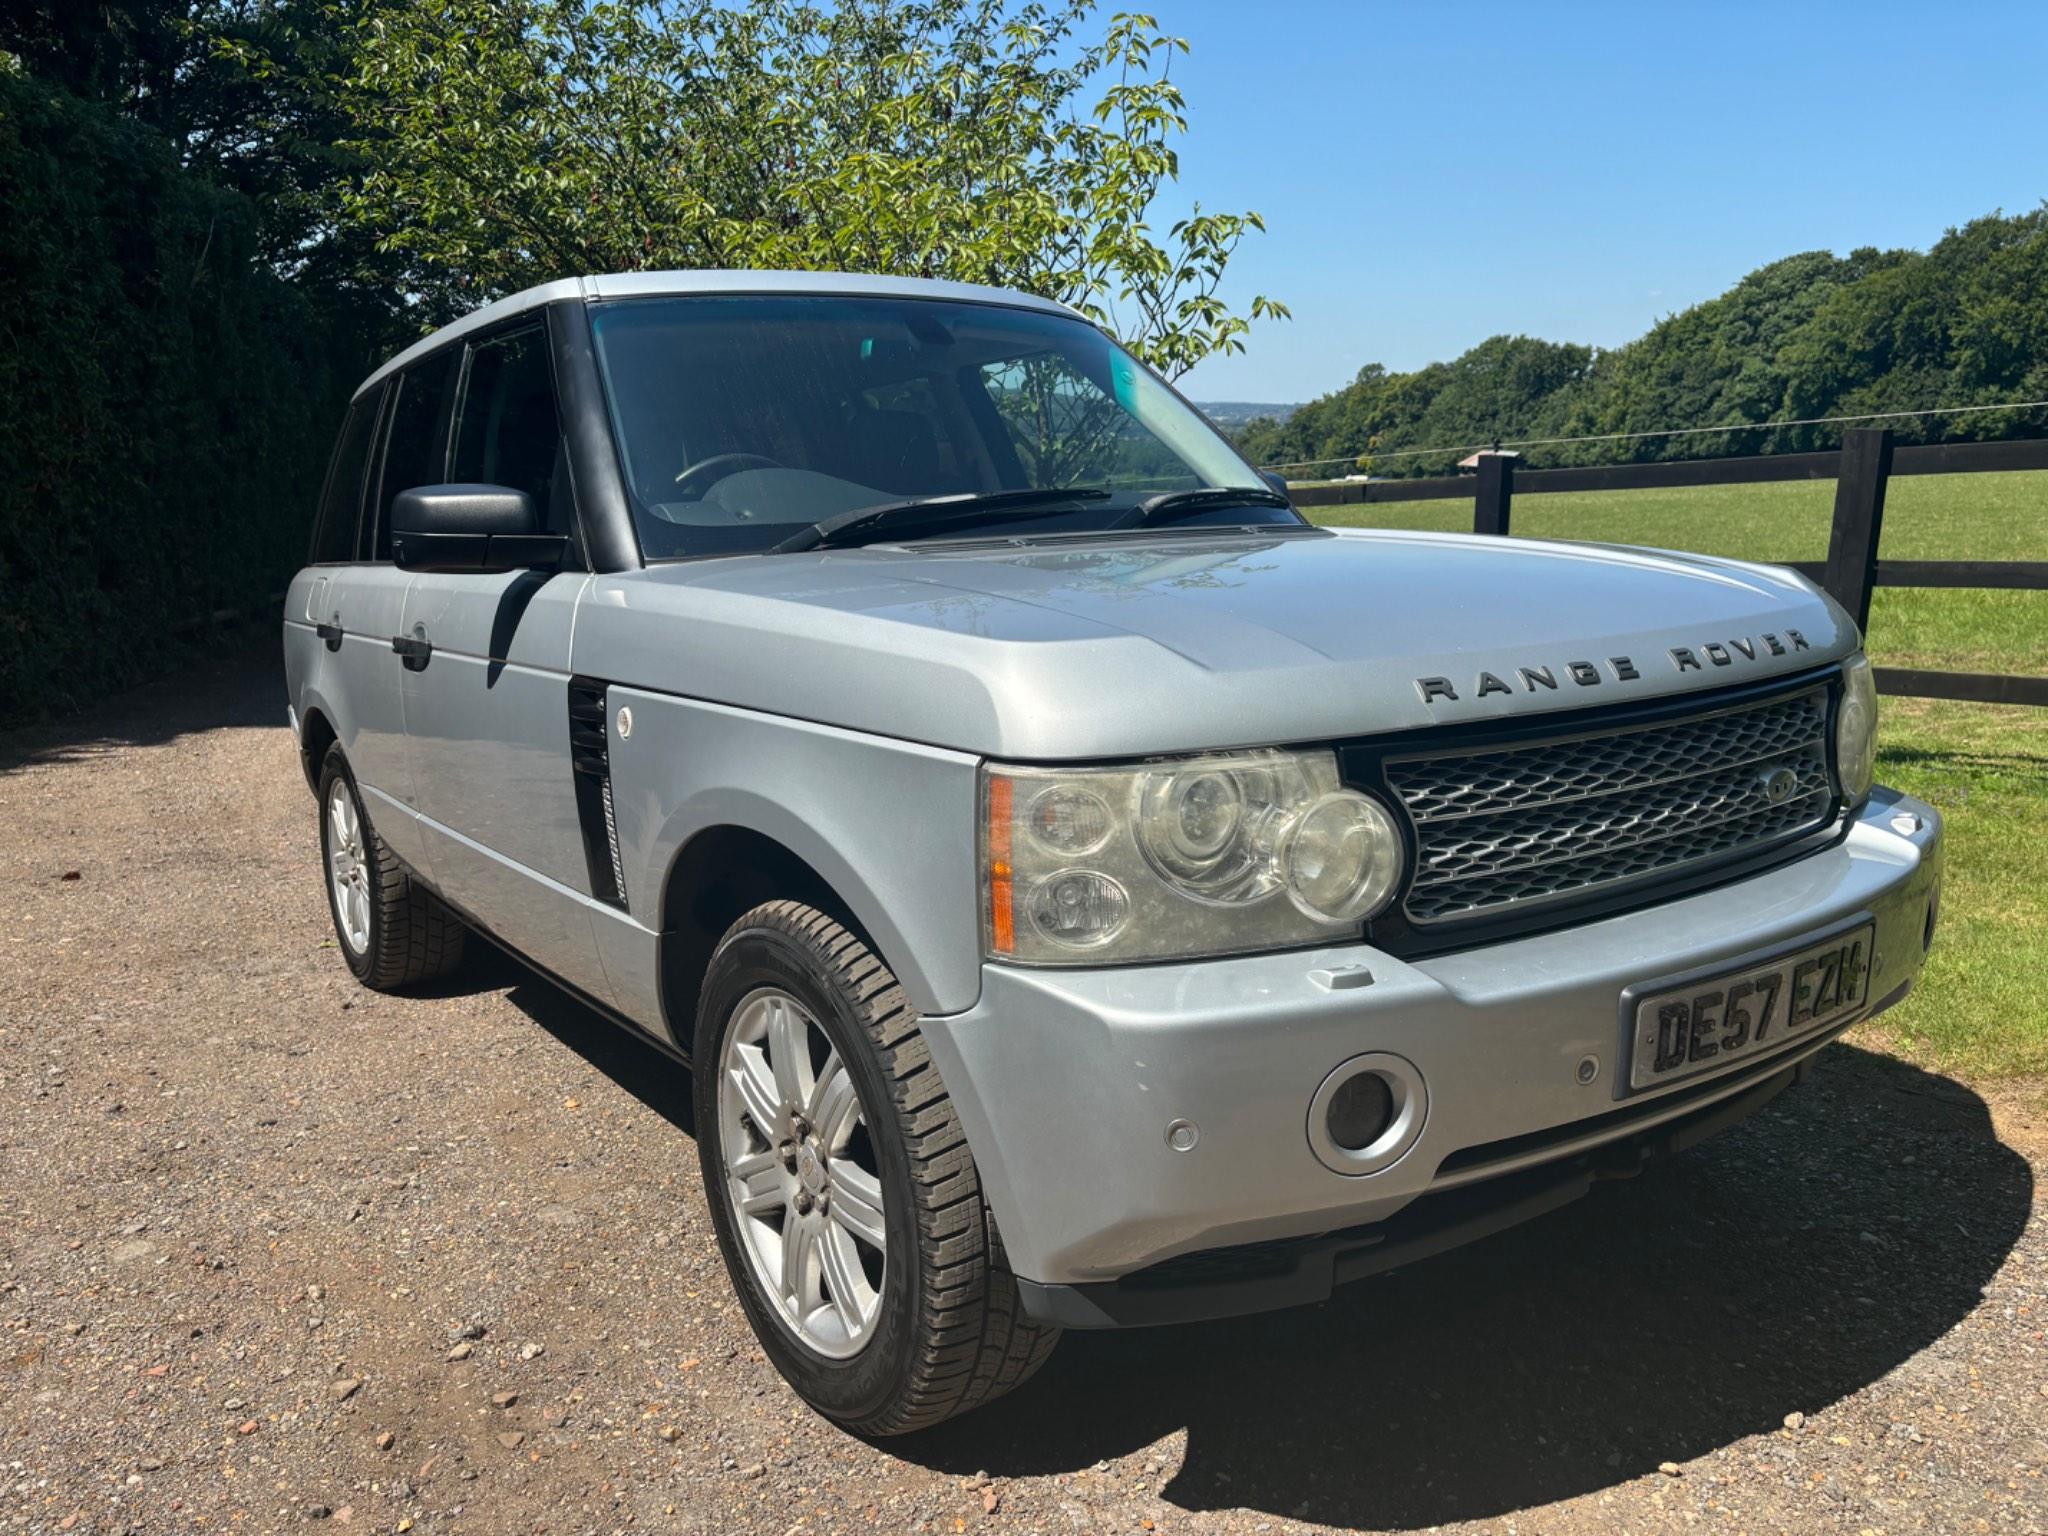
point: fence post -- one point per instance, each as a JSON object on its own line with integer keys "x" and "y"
{"x": 1859, "y": 519}
{"x": 1493, "y": 497}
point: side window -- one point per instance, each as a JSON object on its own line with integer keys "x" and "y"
{"x": 507, "y": 432}
{"x": 414, "y": 443}
{"x": 334, "y": 529}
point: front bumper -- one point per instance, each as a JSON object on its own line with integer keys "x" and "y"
{"x": 1067, "y": 1081}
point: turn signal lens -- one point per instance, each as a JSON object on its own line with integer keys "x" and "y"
{"x": 1002, "y": 912}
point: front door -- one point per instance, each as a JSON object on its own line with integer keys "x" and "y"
{"x": 487, "y": 697}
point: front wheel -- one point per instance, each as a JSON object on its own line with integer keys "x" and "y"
{"x": 845, "y": 1198}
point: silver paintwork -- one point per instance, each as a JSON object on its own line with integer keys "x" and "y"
{"x": 1122, "y": 647}
{"x": 841, "y": 703}
{"x": 805, "y": 1206}
{"x": 487, "y": 744}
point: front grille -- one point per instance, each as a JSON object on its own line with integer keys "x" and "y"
{"x": 1501, "y": 828}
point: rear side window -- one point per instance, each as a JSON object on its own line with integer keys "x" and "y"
{"x": 414, "y": 444}
{"x": 334, "y": 530}
{"x": 507, "y": 432}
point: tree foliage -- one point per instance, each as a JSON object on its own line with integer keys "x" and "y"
{"x": 1813, "y": 335}
{"x": 980, "y": 140}
{"x": 169, "y": 401}
{"x": 244, "y": 94}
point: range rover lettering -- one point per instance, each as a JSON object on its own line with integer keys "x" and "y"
{"x": 1083, "y": 893}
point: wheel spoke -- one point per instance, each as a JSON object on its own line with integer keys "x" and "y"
{"x": 789, "y": 1052}
{"x": 834, "y": 1108}
{"x": 856, "y": 1203}
{"x": 845, "y": 1279}
{"x": 799, "y": 1266}
{"x": 755, "y": 1086}
{"x": 762, "y": 1187}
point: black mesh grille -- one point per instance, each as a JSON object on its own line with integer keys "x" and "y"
{"x": 1500, "y": 827}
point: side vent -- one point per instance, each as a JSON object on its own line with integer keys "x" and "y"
{"x": 590, "y": 758}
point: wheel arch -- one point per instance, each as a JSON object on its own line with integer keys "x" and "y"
{"x": 316, "y": 735}
{"x": 723, "y": 871}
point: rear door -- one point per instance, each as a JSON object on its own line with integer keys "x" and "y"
{"x": 488, "y": 711}
{"x": 356, "y": 601}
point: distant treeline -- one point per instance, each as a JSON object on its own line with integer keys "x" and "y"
{"x": 1966, "y": 323}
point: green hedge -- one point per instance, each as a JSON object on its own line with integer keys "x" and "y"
{"x": 166, "y": 403}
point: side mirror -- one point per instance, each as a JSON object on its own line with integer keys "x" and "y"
{"x": 1274, "y": 479}
{"x": 478, "y": 528}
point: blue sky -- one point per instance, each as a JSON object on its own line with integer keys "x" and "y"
{"x": 1432, "y": 174}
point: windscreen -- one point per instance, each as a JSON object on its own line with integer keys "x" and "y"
{"x": 741, "y": 420}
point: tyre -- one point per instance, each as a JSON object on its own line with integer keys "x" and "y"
{"x": 392, "y": 930}
{"x": 846, "y": 1201}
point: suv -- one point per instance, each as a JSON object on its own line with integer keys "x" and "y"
{"x": 1089, "y": 894}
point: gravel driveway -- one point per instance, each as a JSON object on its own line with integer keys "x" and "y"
{"x": 276, "y": 1250}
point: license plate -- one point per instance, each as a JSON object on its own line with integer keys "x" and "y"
{"x": 1684, "y": 1030}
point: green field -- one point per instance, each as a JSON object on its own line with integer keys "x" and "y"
{"x": 1982, "y": 1006}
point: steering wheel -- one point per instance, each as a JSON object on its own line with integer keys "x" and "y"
{"x": 705, "y": 473}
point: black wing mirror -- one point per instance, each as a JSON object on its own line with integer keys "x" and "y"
{"x": 471, "y": 528}
{"x": 1275, "y": 479}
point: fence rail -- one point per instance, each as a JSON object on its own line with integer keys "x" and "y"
{"x": 1861, "y": 471}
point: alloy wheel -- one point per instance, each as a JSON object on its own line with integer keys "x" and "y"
{"x": 348, "y": 868}
{"x": 801, "y": 1171}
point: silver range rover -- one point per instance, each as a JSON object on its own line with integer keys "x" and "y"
{"x": 1086, "y": 893}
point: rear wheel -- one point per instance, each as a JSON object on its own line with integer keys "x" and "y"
{"x": 845, "y": 1198}
{"x": 392, "y": 930}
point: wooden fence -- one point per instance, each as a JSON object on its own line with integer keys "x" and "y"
{"x": 1861, "y": 471}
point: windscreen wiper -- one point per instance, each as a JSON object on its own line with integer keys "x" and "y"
{"x": 934, "y": 511}
{"x": 1171, "y": 506}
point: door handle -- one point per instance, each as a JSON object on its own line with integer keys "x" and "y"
{"x": 331, "y": 633}
{"x": 413, "y": 652}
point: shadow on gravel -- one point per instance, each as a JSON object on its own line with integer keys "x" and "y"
{"x": 243, "y": 687}
{"x": 655, "y": 1079}
{"x": 1782, "y": 1266}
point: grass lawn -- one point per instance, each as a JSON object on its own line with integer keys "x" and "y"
{"x": 1981, "y": 1008}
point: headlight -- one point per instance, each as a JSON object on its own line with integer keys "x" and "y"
{"x": 1856, "y": 729}
{"x": 1219, "y": 854}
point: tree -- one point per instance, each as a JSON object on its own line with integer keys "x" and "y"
{"x": 244, "y": 93}
{"x": 1811, "y": 335}
{"x": 981, "y": 140}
